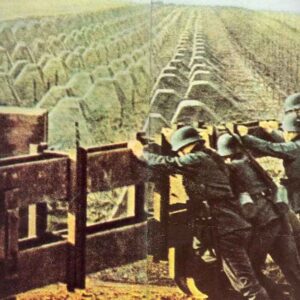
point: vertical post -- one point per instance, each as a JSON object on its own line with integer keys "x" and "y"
{"x": 37, "y": 213}
{"x": 77, "y": 220}
{"x": 9, "y": 235}
{"x": 23, "y": 228}
{"x": 81, "y": 206}
{"x": 139, "y": 209}
{"x": 41, "y": 218}
{"x": 161, "y": 211}
{"x": 35, "y": 100}
{"x": 56, "y": 78}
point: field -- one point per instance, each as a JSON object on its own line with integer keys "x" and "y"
{"x": 117, "y": 68}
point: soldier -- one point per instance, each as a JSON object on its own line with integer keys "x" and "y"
{"x": 292, "y": 104}
{"x": 288, "y": 151}
{"x": 272, "y": 232}
{"x": 206, "y": 178}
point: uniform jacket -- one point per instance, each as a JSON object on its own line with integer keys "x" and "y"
{"x": 289, "y": 152}
{"x": 246, "y": 179}
{"x": 205, "y": 177}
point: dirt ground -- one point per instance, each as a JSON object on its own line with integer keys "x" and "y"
{"x": 106, "y": 290}
{"x": 143, "y": 279}
{"x": 140, "y": 280}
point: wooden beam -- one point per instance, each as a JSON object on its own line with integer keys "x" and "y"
{"x": 44, "y": 178}
{"x": 139, "y": 207}
{"x": 9, "y": 234}
{"x": 116, "y": 247}
{"x": 161, "y": 211}
{"x": 38, "y": 266}
{"x": 112, "y": 169}
{"x": 77, "y": 223}
{"x": 46, "y": 264}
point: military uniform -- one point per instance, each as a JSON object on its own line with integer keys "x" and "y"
{"x": 271, "y": 235}
{"x": 289, "y": 152}
{"x": 206, "y": 178}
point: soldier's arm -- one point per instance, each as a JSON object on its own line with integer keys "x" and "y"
{"x": 278, "y": 150}
{"x": 172, "y": 164}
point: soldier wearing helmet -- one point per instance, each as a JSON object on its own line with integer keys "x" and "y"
{"x": 288, "y": 151}
{"x": 292, "y": 103}
{"x": 206, "y": 178}
{"x": 260, "y": 208}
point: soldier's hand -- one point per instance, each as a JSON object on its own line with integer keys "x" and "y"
{"x": 136, "y": 147}
{"x": 243, "y": 130}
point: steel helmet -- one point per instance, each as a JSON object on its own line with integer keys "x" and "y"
{"x": 228, "y": 145}
{"x": 291, "y": 123}
{"x": 292, "y": 102}
{"x": 184, "y": 136}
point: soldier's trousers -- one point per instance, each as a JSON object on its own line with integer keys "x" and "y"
{"x": 275, "y": 239}
{"x": 237, "y": 265}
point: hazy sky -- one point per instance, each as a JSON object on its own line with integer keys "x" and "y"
{"x": 281, "y": 5}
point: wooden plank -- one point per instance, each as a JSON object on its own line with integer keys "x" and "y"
{"x": 139, "y": 207}
{"x": 46, "y": 264}
{"x": 42, "y": 218}
{"x": 116, "y": 247}
{"x": 24, "y": 222}
{"x": 106, "y": 147}
{"x": 81, "y": 210}
{"x": 44, "y": 179}
{"x": 77, "y": 222}
{"x": 12, "y": 234}
{"x": 161, "y": 203}
{"x": 112, "y": 169}
{"x": 12, "y": 251}
{"x": 38, "y": 267}
{"x": 8, "y": 161}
